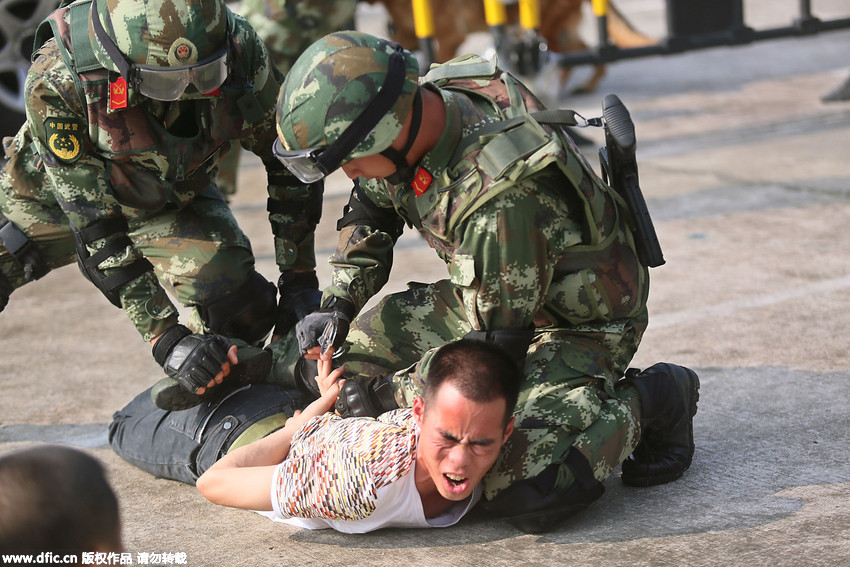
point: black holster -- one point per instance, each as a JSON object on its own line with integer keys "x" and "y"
{"x": 619, "y": 169}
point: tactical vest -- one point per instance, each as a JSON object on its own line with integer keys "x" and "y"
{"x": 146, "y": 165}
{"x": 494, "y": 156}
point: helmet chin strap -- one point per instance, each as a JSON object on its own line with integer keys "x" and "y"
{"x": 405, "y": 173}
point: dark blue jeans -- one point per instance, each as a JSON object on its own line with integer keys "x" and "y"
{"x": 181, "y": 445}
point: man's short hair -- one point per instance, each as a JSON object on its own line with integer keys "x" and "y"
{"x": 55, "y": 498}
{"x": 481, "y": 371}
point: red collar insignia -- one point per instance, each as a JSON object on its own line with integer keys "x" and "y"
{"x": 118, "y": 93}
{"x": 421, "y": 181}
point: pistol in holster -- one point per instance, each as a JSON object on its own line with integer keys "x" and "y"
{"x": 619, "y": 170}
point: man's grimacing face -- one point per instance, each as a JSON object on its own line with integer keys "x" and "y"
{"x": 459, "y": 440}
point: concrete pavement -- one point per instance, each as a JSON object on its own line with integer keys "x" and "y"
{"x": 747, "y": 174}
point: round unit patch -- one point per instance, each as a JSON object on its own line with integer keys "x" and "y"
{"x": 64, "y": 138}
{"x": 182, "y": 52}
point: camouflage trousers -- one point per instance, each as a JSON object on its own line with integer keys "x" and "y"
{"x": 569, "y": 397}
{"x": 198, "y": 251}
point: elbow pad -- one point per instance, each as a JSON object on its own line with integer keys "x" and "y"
{"x": 361, "y": 210}
{"x": 115, "y": 231}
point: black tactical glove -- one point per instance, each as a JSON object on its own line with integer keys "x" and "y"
{"x": 360, "y": 396}
{"x": 299, "y": 296}
{"x": 191, "y": 359}
{"x": 364, "y": 396}
{"x": 326, "y": 327}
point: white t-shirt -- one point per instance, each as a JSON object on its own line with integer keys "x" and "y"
{"x": 398, "y": 506}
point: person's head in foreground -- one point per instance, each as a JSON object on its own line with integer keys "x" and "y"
{"x": 465, "y": 415}
{"x": 351, "y": 100}
{"x": 56, "y": 499}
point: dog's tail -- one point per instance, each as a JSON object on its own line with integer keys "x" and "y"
{"x": 622, "y": 33}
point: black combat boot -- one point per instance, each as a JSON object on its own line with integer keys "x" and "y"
{"x": 669, "y": 395}
{"x": 539, "y": 504}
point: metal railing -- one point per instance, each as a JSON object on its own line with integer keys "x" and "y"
{"x": 682, "y": 34}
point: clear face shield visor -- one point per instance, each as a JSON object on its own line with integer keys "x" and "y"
{"x": 304, "y": 164}
{"x": 169, "y": 83}
{"x": 312, "y": 164}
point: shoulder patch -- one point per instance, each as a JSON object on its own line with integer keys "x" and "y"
{"x": 64, "y": 138}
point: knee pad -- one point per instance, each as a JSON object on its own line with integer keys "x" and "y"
{"x": 248, "y": 313}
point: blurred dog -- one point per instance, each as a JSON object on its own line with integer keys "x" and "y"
{"x": 559, "y": 26}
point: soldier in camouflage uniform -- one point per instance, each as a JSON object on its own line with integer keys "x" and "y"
{"x": 130, "y": 107}
{"x": 287, "y": 27}
{"x": 540, "y": 260}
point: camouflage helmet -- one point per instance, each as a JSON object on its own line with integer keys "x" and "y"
{"x": 160, "y": 33}
{"x": 333, "y": 82}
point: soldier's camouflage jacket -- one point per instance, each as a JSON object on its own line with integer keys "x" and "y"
{"x": 288, "y": 27}
{"x": 530, "y": 237}
{"x": 569, "y": 259}
{"x": 105, "y": 153}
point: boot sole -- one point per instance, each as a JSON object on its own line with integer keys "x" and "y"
{"x": 543, "y": 521}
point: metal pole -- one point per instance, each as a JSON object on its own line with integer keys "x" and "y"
{"x": 423, "y": 22}
{"x": 497, "y": 17}
{"x": 600, "y": 10}
{"x": 529, "y": 15}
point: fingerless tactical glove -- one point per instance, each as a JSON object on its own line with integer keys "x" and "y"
{"x": 366, "y": 396}
{"x": 191, "y": 359}
{"x": 327, "y": 326}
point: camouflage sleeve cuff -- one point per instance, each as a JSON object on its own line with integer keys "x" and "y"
{"x": 148, "y": 306}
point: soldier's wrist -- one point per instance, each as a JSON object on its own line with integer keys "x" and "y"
{"x": 167, "y": 341}
{"x": 342, "y": 304}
